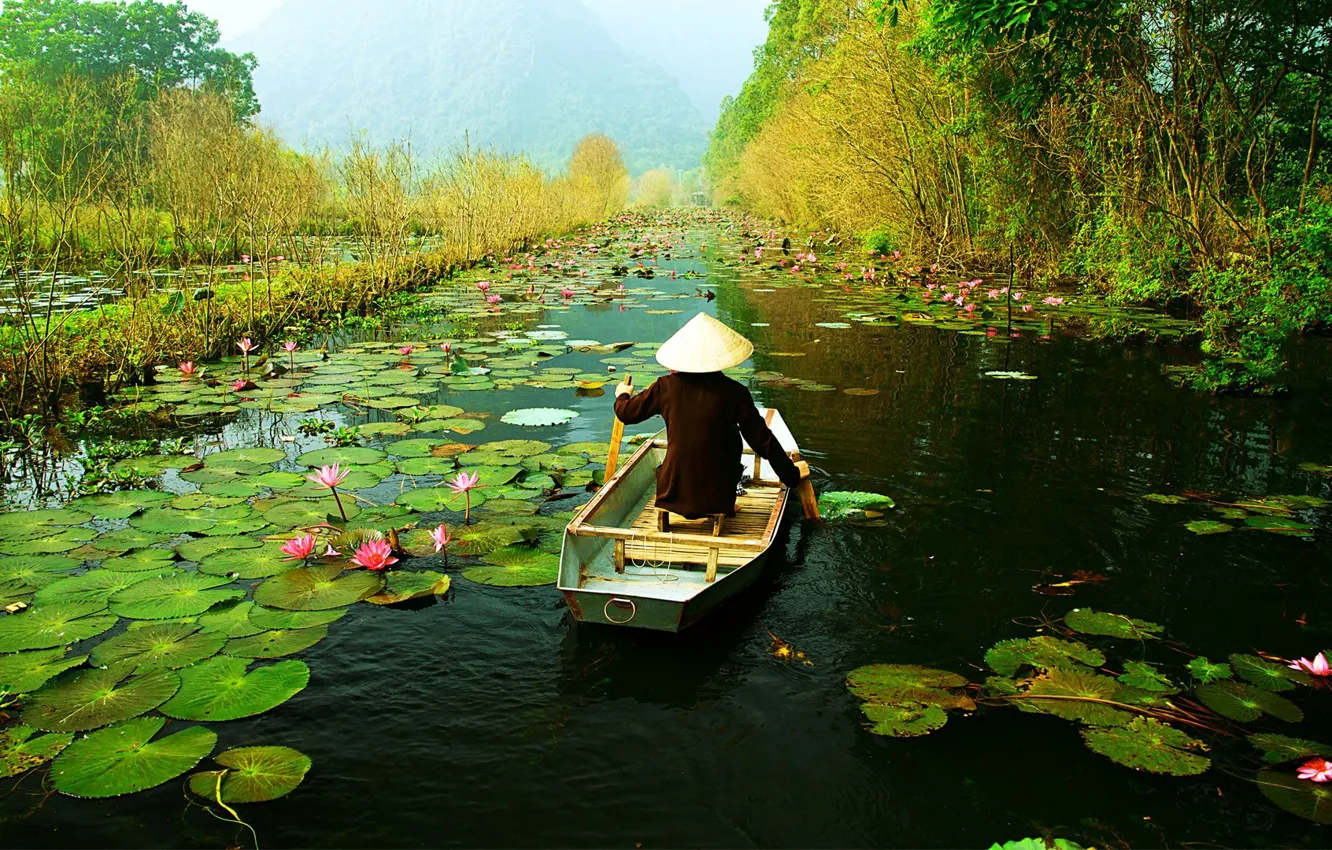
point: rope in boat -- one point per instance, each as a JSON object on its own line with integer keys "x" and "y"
{"x": 647, "y": 561}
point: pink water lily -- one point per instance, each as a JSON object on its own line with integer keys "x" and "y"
{"x": 442, "y": 539}
{"x": 446, "y": 348}
{"x": 330, "y": 552}
{"x": 1316, "y": 770}
{"x": 299, "y": 548}
{"x": 187, "y": 369}
{"x": 1317, "y": 667}
{"x": 567, "y": 292}
{"x": 484, "y": 286}
{"x": 374, "y": 555}
{"x": 290, "y": 347}
{"x": 406, "y": 349}
{"x": 245, "y": 258}
{"x": 331, "y": 477}
{"x": 464, "y": 483}
{"x": 238, "y": 384}
{"x": 245, "y": 345}
{"x": 1052, "y": 300}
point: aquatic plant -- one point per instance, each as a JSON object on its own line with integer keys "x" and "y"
{"x": 1317, "y": 667}
{"x": 440, "y": 537}
{"x": 329, "y": 478}
{"x": 374, "y": 555}
{"x": 299, "y": 548}
{"x": 464, "y": 483}
{"x": 1136, "y": 717}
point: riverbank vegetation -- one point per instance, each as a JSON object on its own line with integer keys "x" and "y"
{"x": 1164, "y": 153}
{"x": 145, "y": 169}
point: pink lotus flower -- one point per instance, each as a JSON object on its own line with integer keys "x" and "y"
{"x": 245, "y": 345}
{"x": 1026, "y": 308}
{"x": 406, "y": 349}
{"x": 484, "y": 286}
{"x": 758, "y": 253}
{"x": 330, "y": 552}
{"x": 187, "y": 369}
{"x": 446, "y": 348}
{"x": 374, "y": 555}
{"x": 1017, "y": 296}
{"x": 1318, "y": 667}
{"x": 1052, "y": 300}
{"x": 464, "y": 483}
{"x": 493, "y": 299}
{"x": 970, "y": 308}
{"x": 238, "y": 385}
{"x": 299, "y": 548}
{"x": 442, "y": 539}
{"x": 331, "y": 477}
{"x": 290, "y": 347}
{"x": 1316, "y": 770}
{"x": 245, "y": 258}
{"x": 567, "y": 292}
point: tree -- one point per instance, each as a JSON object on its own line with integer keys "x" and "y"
{"x": 655, "y": 188}
{"x": 598, "y": 173}
{"x": 164, "y": 45}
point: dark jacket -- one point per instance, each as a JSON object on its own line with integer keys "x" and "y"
{"x": 705, "y": 414}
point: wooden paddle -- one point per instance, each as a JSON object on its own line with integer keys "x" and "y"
{"x": 617, "y": 436}
{"x": 809, "y": 501}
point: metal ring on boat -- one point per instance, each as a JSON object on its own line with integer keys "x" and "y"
{"x": 605, "y": 610}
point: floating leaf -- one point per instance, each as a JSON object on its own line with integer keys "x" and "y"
{"x": 1309, "y": 800}
{"x": 183, "y": 595}
{"x": 484, "y": 538}
{"x": 1007, "y": 656}
{"x": 221, "y": 689}
{"x": 171, "y": 645}
{"x": 247, "y": 456}
{"x": 1205, "y": 671}
{"x": 1147, "y": 744}
{"x": 1267, "y": 674}
{"x": 1048, "y": 843}
{"x": 30, "y": 525}
{"x": 260, "y": 562}
{"x": 276, "y": 618}
{"x": 1280, "y": 525}
{"x": 276, "y": 643}
{"x": 405, "y": 585}
{"x": 121, "y": 504}
{"x": 93, "y": 586}
{"x": 1165, "y": 499}
{"x": 1279, "y": 748}
{"x": 1074, "y": 695}
{"x": 24, "y": 672}
{"x": 122, "y": 759}
{"x": 301, "y": 513}
{"x": 1246, "y": 702}
{"x": 905, "y": 700}
{"x": 1208, "y": 526}
{"x": 140, "y": 560}
{"x": 22, "y": 749}
{"x": 58, "y": 624}
{"x": 1090, "y": 622}
{"x": 515, "y": 566}
{"x": 435, "y": 499}
{"x": 904, "y": 721}
{"x": 846, "y": 504}
{"x": 536, "y": 417}
{"x": 94, "y": 698}
{"x": 231, "y": 621}
{"x": 341, "y": 455}
{"x": 1138, "y": 674}
{"x": 203, "y": 547}
{"x": 317, "y": 588}
{"x": 173, "y": 520}
{"x": 252, "y": 775}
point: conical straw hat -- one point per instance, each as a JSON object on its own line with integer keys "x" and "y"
{"x": 704, "y": 345}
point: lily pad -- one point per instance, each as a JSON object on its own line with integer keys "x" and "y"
{"x": 1090, "y": 622}
{"x": 317, "y": 588}
{"x": 141, "y": 560}
{"x": 1074, "y": 695}
{"x": 276, "y": 618}
{"x": 1279, "y": 748}
{"x": 301, "y": 513}
{"x": 251, "y": 455}
{"x": 1205, "y": 671}
{"x": 95, "y": 698}
{"x": 1165, "y": 498}
{"x": 1208, "y": 526}
{"x": 537, "y": 417}
{"x": 405, "y": 585}
{"x": 24, "y": 672}
{"x": 30, "y": 525}
{"x": 435, "y": 499}
{"x": 171, "y": 645}
{"x": 1279, "y": 525}
{"x": 22, "y": 749}
{"x": 515, "y": 566}
{"x": 341, "y": 455}
{"x": 260, "y": 562}
{"x": 1267, "y": 674}
{"x": 1147, "y": 744}
{"x": 276, "y": 643}
{"x": 204, "y": 547}
{"x": 1143, "y": 676}
{"x": 183, "y": 595}
{"x": 93, "y": 586}
{"x": 44, "y": 626}
{"x": 121, "y": 504}
{"x": 1007, "y": 656}
{"x": 229, "y": 621}
{"x": 173, "y": 521}
{"x": 904, "y": 700}
{"x": 252, "y": 775}
{"x": 122, "y": 759}
{"x": 845, "y": 504}
{"x": 221, "y": 689}
{"x": 1309, "y": 800}
{"x": 1247, "y": 702}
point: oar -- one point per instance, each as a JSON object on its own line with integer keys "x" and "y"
{"x": 809, "y": 501}
{"x": 617, "y": 435}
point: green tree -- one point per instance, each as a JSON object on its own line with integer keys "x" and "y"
{"x": 164, "y": 45}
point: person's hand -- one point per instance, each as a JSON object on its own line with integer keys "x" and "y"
{"x": 803, "y": 469}
{"x": 624, "y": 388}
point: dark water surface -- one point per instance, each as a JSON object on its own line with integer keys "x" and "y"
{"x": 491, "y": 719}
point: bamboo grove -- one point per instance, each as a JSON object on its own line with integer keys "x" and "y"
{"x": 1165, "y": 152}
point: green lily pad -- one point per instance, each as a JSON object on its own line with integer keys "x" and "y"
{"x": 537, "y": 417}
{"x": 515, "y": 566}
{"x": 317, "y": 588}
{"x": 1090, "y": 622}
{"x": 1205, "y": 671}
{"x": 1309, "y": 800}
{"x": 1007, "y": 656}
{"x": 1247, "y": 702}
{"x": 341, "y": 455}
{"x": 1267, "y": 674}
{"x": 1074, "y": 695}
{"x": 1143, "y": 676}
{"x": 22, "y": 749}
{"x": 44, "y": 626}
{"x": 276, "y": 618}
{"x": 276, "y": 643}
{"x": 1165, "y": 498}
{"x": 173, "y": 521}
{"x": 141, "y": 560}
{"x": 95, "y": 698}
{"x": 248, "y": 456}
{"x": 435, "y": 499}
{"x": 61, "y": 540}
{"x": 93, "y": 586}
{"x": 170, "y": 645}
{"x": 1208, "y": 526}
{"x": 301, "y": 513}
{"x": 1279, "y": 525}
{"x": 420, "y": 447}
{"x": 230, "y": 621}
{"x": 122, "y": 759}
{"x": 252, "y": 775}
{"x": 1279, "y": 748}
{"x": 844, "y": 504}
{"x": 124, "y": 539}
{"x": 1147, "y": 744}
{"x": 904, "y": 700}
{"x": 183, "y": 595}
{"x": 459, "y": 426}
{"x": 25, "y": 672}
{"x": 204, "y": 547}
{"x": 904, "y": 721}
{"x": 405, "y": 585}
{"x": 121, "y": 504}
{"x": 248, "y": 563}
{"x": 221, "y": 689}
{"x": 29, "y": 525}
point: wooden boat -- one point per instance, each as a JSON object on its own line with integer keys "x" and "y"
{"x": 625, "y": 563}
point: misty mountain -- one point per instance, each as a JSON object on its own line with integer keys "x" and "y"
{"x": 528, "y": 76}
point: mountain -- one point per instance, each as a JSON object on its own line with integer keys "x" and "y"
{"x": 530, "y": 76}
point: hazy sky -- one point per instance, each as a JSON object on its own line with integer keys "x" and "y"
{"x": 705, "y": 44}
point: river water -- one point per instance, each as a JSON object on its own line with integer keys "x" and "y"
{"x": 491, "y": 719}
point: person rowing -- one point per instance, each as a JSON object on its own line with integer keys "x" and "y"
{"x": 706, "y": 414}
